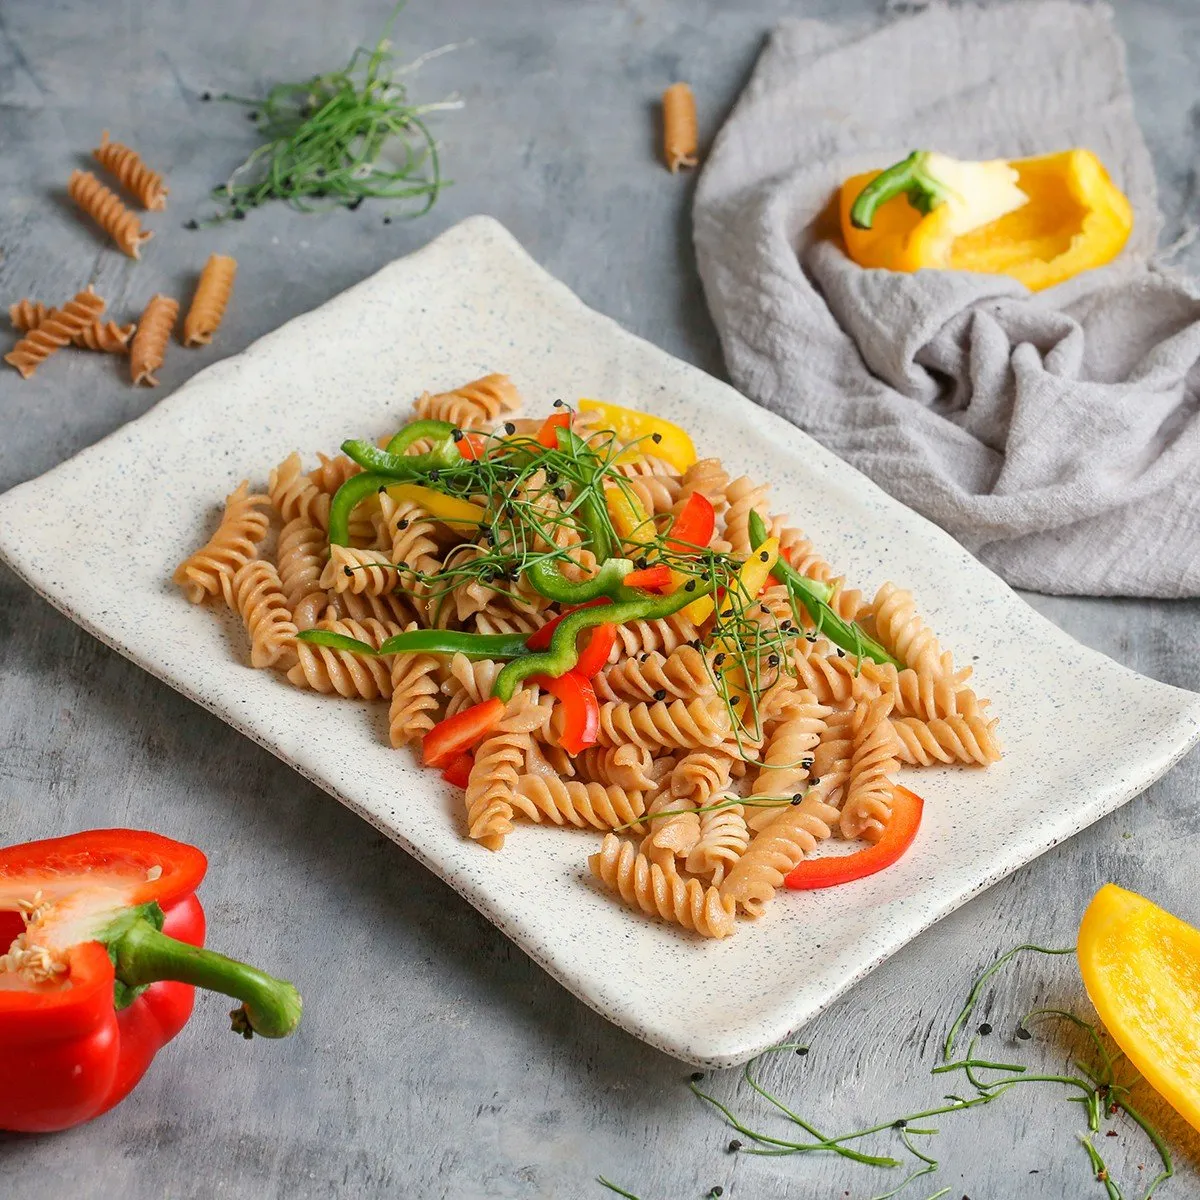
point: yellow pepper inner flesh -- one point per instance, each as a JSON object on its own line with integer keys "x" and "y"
{"x": 1141, "y": 967}
{"x": 673, "y": 445}
{"x": 1076, "y": 219}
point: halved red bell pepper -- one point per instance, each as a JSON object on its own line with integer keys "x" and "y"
{"x": 649, "y": 579}
{"x": 457, "y": 734}
{"x": 104, "y": 950}
{"x": 459, "y": 771}
{"x": 548, "y": 434}
{"x": 897, "y": 836}
{"x": 581, "y": 711}
{"x": 693, "y": 528}
{"x": 594, "y": 656}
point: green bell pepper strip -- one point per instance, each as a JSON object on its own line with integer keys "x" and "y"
{"x": 545, "y": 577}
{"x": 908, "y": 177}
{"x": 815, "y": 596}
{"x": 590, "y": 509}
{"x": 402, "y": 466}
{"x": 415, "y": 430}
{"x": 347, "y": 498}
{"x": 562, "y": 653}
{"x": 474, "y": 646}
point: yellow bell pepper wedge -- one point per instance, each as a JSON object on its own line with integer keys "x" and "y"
{"x": 932, "y": 211}
{"x": 673, "y": 443}
{"x": 629, "y": 518}
{"x": 751, "y": 579}
{"x": 1141, "y": 968}
{"x": 699, "y": 610}
{"x": 451, "y": 509}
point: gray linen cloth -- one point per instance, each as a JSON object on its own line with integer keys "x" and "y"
{"x": 1057, "y": 436}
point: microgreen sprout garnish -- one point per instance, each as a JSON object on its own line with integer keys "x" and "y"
{"x": 339, "y": 138}
{"x": 612, "y": 1187}
{"x": 1096, "y": 1088}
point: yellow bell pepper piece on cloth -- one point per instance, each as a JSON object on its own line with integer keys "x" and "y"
{"x": 1039, "y": 220}
{"x": 1141, "y": 968}
{"x": 450, "y": 509}
{"x": 673, "y": 443}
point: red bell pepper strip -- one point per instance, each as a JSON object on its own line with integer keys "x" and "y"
{"x": 472, "y": 447}
{"x": 650, "y": 579}
{"x": 100, "y": 975}
{"x": 457, "y": 734}
{"x": 897, "y": 836}
{"x": 581, "y": 711}
{"x": 693, "y": 528}
{"x": 459, "y": 771}
{"x": 540, "y": 638}
{"x": 548, "y": 434}
{"x": 594, "y": 656}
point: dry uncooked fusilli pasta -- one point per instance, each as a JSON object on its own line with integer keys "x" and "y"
{"x": 149, "y": 347}
{"x": 680, "y": 138}
{"x": 210, "y": 301}
{"x": 106, "y": 209}
{"x": 127, "y": 167}
{"x": 714, "y": 756}
{"x": 210, "y": 571}
{"x": 106, "y": 337}
{"x": 58, "y": 328}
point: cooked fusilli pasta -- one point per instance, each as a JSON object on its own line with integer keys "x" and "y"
{"x": 717, "y": 745}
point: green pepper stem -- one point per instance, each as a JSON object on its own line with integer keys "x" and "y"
{"x": 562, "y": 653}
{"x": 908, "y": 177}
{"x": 142, "y": 955}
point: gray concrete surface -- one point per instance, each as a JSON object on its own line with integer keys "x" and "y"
{"x": 435, "y": 1060}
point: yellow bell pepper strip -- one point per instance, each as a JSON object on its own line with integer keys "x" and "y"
{"x": 1141, "y": 968}
{"x": 628, "y": 517}
{"x": 1038, "y": 220}
{"x": 451, "y": 509}
{"x": 649, "y": 435}
{"x": 750, "y": 580}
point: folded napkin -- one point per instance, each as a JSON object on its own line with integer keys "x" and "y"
{"x": 1057, "y": 436}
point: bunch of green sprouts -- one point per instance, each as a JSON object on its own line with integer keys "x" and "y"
{"x": 337, "y": 139}
{"x": 1097, "y": 1088}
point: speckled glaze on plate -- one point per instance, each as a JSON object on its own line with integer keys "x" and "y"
{"x": 100, "y": 536}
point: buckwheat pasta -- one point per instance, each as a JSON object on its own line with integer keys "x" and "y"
{"x": 547, "y": 651}
{"x": 106, "y": 209}
{"x": 127, "y": 167}
{"x": 680, "y": 137}
{"x": 149, "y": 347}
{"x": 54, "y": 332}
{"x": 210, "y": 301}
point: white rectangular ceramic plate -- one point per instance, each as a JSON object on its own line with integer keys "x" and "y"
{"x": 100, "y": 536}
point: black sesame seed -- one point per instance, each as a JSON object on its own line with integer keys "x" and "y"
{"x": 1023, "y": 1033}
{"x": 558, "y": 404}
{"x": 900, "y": 1123}
{"x": 734, "y": 1146}
{"x": 697, "y": 1076}
{"x": 206, "y": 95}
{"x": 348, "y": 572}
{"x": 509, "y": 428}
{"x": 815, "y": 779}
{"x": 457, "y": 434}
{"x": 984, "y": 1029}
{"x": 690, "y": 586}
{"x": 239, "y": 214}
{"x": 718, "y": 1190}
{"x": 773, "y": 661}
{"x": 797, "y": 799}
{"x": 403, "y": 522}
{"x": 810, "y": 637}
{"x": 387, "y": 220}
{"x": 661, "y": 694}
{"x": 720, "y": 658}
{"x": 641, "y": 563}
{"x": 806, "y": 763}
{"x": 727, "y": 612}
{"x": 802, "y": 1051}
{"x": 764, "y": 556}
{"x": 656, "y": 438}
{"x": 551, "y": 477}
{"x": 252, "y": 116}
{"x": 192, "y": 224}
{"x": 354, "y": 204}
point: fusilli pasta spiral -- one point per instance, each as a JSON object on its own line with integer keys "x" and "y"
{"x": 679, "y": 725}
{"x": 330, "y": 671}
{"x": 210, "y": 301}
{"x": 148, "y": 350}
{"x": 210, "y": 570}
{"x": 969, "y": 739}
{"x": 300, "y": 557}
{"x": 569, "y": 802}
{"x": 630, "y": 767}
{"x": 58, "y": 328}
{"x": 106, "y": 337}
{"x": 723, "y": 840}
{"x": 106, "y": 209}
{"x": 661, "y": 892}
{"x": 681, "y": 675}
{"x": 131, "y": 172}
{"x": 491, "y": 789}
{"x": 474, "y": 405}
{"x": 415, "y": 701}
{"x": 353, "y": 570}
{"x": 868, "y": 803}
{"x": 259, "y": 598}
{"x": 902, "y": 631}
